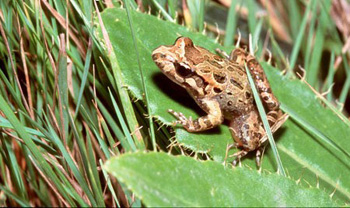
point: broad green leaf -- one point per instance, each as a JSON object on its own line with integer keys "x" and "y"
{"x": 160, "y": 179}
{"x": 163, "y": 94}
{"x": 303, "y": 154}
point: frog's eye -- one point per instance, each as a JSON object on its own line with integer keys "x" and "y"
{"x": 182, "y": 70}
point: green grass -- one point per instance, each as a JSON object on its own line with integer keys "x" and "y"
{"x": 78, "y": 87}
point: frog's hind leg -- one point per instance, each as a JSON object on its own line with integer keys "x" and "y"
{"x": 259, "y": 154}
{"x": 247, "y": 131}
{"x": 262, "y": 84}
{"x": 238, "y": 156}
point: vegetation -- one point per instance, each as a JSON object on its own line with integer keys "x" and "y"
{"x": 83, "y": 108}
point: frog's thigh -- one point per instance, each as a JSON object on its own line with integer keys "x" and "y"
{"x": 214, "y": 117}
{"x": 262, "y": 85}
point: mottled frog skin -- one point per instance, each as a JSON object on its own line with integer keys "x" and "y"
{"x": 221, "y": 88}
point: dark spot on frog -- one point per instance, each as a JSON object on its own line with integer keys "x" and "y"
{"x": 220, "y": 77}
{"x": 216, "y": 64}
{"x": 229, "y": 103}
{"x": 246, "y": 126}
{"x": 257, "y": 135}
{"x": 247, "y": 95}
{"x": 235, "y": 83}
{"x": 217, "y": 90}
{"x": 241, "y": 72}
{"x": 218, "y": 58}
{"x": 230, "y": 68}
{"x": 205, "y": 71}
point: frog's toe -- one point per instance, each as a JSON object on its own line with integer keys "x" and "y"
{"x": 181, "y": 119}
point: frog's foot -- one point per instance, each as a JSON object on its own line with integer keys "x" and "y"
{"x": 273, "y": 116}
{"x": 181, "y": 119}
{"x": 228, "y": 148}
{"x": 258, "y": 157}
{"x": 238, "y": 156}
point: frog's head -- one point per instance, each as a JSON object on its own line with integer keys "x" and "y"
{"x": 171, "y": 60}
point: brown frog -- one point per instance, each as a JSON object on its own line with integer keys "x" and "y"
{"x": 221, "y": 88}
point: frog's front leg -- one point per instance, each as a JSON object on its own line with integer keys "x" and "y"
{"x": 214, "y": 117}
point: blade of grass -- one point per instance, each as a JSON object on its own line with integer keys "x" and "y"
{"x": 15, "y": 197}
{"x": 143, "y": 81}
{"x": 123, "y": 94}
{"x": 172, "y": 7}
{"x": 256, "y": 36}
{"x": 162, "y": 10}
{"x": 84, "y": 78}
{"x": 94, "y": 181}
{"x": 320, "y": 35}
{"x": 126, "y": 132}
{"x": 295, "y": 17}
{"x": 330, "y": 78}
{"x": 12, "y": 91}
{"x": 72, "y": 164}
{"x": 14, "y": 169}
{"x": 109, "y": 184}
{"x": 63, "y": 89}
{"x": 263, "y": 117}
{"x": 313, "y": 130}
{"x": 346, "y": 86}
{"x": 115, "y": 128}
{"x": 252, "y": 11}
{"x": 231, "y": 23}
{"x": 277, "y": 49}
{"x": 33, "y": 149}
{"x": 6, "y": 124}
{"x": 95, "y": 130}
{"x": 298, "y": 40}
{"x": 200, "y": 15}
{"x": 309, "y": 42}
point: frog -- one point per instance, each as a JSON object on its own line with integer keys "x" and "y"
{"x": 220, "y": 87}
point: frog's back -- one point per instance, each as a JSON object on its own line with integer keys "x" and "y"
{"x": 226, "y": 82}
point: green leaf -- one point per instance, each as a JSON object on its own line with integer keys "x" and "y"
{"x": 303, "y": 153}
{"x": 163, "y": 180}
{"x": 163, "y": 94}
